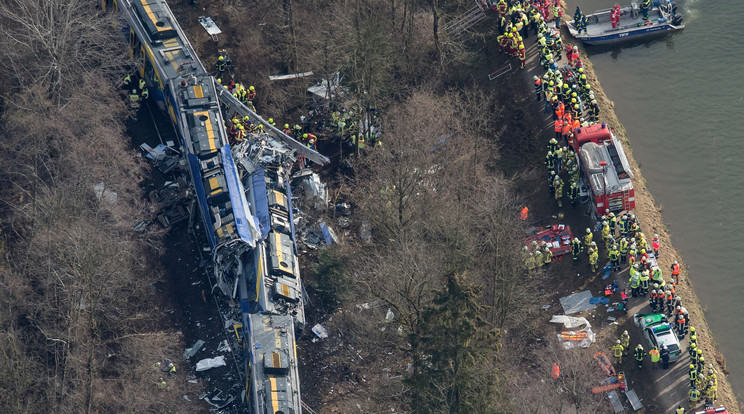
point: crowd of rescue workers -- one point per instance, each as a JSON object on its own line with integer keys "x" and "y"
{"x": 568, "y": 95}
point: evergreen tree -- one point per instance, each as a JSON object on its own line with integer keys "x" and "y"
{"x": 453, "y": 352}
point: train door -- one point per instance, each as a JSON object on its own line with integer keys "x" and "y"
{"x": 137, "y": 52}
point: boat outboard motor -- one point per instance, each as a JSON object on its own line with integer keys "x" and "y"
{"x": 677, "y": 19}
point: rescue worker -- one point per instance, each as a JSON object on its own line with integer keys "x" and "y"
{"x": 573, "y": 193}
{"x": 655, "y": 357}
{"x": 286, "y": 129}
{"x": 625, "y": 342}
{"x": 606, "y": 232}
{"x": 693, "y": 374}
{"x": 680, "y": 320}
{"x": 594, "y": 110}
{"x": 576, "y": 249}
{"x": 692, "y": 351}
{"x": 161, "y": 384}
{"x": 657, "y": 277}
{"x": 632, "y": 253}
{"x": 145, "y": 93}
{"x": 643, "y": 279}
{"x": 538, "y": 88}
{"x": 624, "y": 247}
{"x": 171, "y": 368}
{"x": 557, "y": 13}
{"x": 557, "y": 127}
{"x": 695, "y": 355}
{"x": 522, "y": 55}
{"x": 221, "y": 65}
{"x": 634, "y": 281}
{"x": 614, "y": 256}
{"x": 588, "y": 238}
{"x": 532, "y": 262}
{"x": 655, "y": 245}
{"x": 613, "y": 223}
{"x": 669, "y": 302}
{"x": 251, "y": 94}
{"x": 593, "y": 259}
{"x": 240, "y": 133}
{"x": 549, "y": 162}
{"x": 547, "y": 255}
{"x": 127, "y": 81}
{"x": 675, "y": 271}
{"x": 622, "y": 225}
{"x": 617, "y": 352}
{"x": 679, "y": 409}
{"x": 710, "y": 393}
{"x": 639, "y": 354}
{"x": 558, "y": 186}
{"x": 664, "y": 357}
{"x": 694, "y": 396}
{"x": 142, "y": 84}
{"x": 700, "y": 360}
{"x": 645, "y": 7}
{"x": 134, "y": 99}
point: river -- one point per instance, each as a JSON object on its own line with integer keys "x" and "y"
{"x": 681, "y": 100}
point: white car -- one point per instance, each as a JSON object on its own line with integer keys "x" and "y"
{"x": 658, "y": 332}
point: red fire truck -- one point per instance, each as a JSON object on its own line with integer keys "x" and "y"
{"x": 607, "y": 174}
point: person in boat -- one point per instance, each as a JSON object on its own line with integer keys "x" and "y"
{"x": 645, "y": 7}
{"x": 578, "y": 14}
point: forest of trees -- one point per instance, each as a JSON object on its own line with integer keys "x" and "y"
{"x": 81, "y": 325}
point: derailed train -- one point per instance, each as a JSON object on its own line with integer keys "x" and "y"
{"x": 243, "y": 197}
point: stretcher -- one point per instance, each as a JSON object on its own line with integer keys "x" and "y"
{"x": 557, "y": 236}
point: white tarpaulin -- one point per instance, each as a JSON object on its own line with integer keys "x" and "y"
{"x": 210, "y": 363}
{"x": 582, "y": 337}
{"x": 571, "y": 322}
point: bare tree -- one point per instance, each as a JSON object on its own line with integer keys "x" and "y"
{"x": 53, "y": 43}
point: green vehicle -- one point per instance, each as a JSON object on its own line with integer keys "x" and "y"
{"x": 658, "y": 332}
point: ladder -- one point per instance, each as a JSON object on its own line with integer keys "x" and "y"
{"x": 466, "y": 20}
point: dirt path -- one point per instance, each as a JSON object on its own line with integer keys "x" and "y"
{"x": 661, "y": 391}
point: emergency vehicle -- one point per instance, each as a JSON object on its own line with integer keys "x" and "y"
{"x": 607, "y": 174}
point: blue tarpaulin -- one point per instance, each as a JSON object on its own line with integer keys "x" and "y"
{"x": 240, "y": 206}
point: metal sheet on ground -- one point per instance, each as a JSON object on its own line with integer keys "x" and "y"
{"x": 615, "y": 401}
{"x": 577, "y": 302}
{"x": 634, "y": 401}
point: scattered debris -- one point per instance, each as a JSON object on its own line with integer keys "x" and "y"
{"x": 326, "y": 88}
{"x": 389, "y": 316}
{"x": 224, "y": 347}
{"x": 210, "y": 26}
{"x": 365, "y": 233}
{"x": 215, "y": 400}
{"x": 577, "y": 302}
{"x": 311, "y": 188}
{"x": 290, "y": 76}
{"x": 210, "y": 363}
{"x": 193, "y": 350}
{"x": 102, "y": 193}
{"x": 320, "y": 331}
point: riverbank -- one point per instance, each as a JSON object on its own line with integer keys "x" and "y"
{"x": 650, "y": 215}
